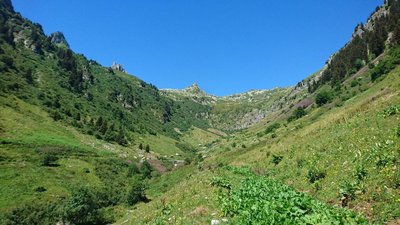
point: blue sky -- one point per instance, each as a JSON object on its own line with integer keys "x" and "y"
{"x": 226, "y": 46}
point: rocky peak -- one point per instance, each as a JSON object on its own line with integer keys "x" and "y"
{"x": 58, "y": 38}
{"x": 369, "y": 25}
{"x": 117, "y": 66}
{"x": 6, "y": 4}
{"x": 194, "y": 89}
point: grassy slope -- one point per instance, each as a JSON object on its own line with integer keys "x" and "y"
{"x": 26, "y": 130}
{"x": 334, "y": 139}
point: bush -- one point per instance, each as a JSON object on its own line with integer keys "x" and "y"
{"x": 347, "y": 192}
{"x": 276, "y": 159}
{"x": 146, "y": 170}
{"x": 386, "y": 65}
{"x": 271, "y": 128}
{"x": 136, "y": 192}
{"x": 33, "y": 213}
{"x": 360, "y": 172}
{"x": 133, "y": 169}
{"x": 297, "y": 114}
{"x": 315, "y": 174}
{"x": 40, "y": 189}
{"x": 354, "y": 83}
{"x": 323, "y": 97}
{"x": 83, "y": 208}
{"x": 49, "y": 159}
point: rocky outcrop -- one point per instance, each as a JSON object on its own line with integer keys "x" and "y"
{"x": 58, "y": 38}
{"x": 119, "y": 67}
{"x": 6, "y": 4}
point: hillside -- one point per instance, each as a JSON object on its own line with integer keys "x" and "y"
{"x": 82, "y": 143}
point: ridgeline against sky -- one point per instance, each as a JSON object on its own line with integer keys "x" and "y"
{"x": 226, "y": 46}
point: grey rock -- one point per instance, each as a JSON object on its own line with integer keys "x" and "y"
{"x": 58, "y": 38}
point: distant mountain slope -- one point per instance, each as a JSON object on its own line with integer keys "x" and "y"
{"x": 97, "y": 100}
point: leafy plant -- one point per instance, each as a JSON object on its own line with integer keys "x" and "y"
{"x": 83, "y": 208}
{"x": 49, "y": 159}
{"x": 323, "y": 97}
{"x": 259, "y": 200}
{"x": 392, "y": 110}
{"x": 221, "y": 182}
{"x": 314, "y": 174}
{"x": 271, "y": 128}
{"x": 360, "y": 172}
{"x": 276, "y": 159}
{"x": 136, "y": 192}
{"x": 297, "y": 114}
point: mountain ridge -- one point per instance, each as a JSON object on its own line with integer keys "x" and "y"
{"x": 82, "y": 143}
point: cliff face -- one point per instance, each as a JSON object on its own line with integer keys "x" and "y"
{"x": 58, "y": 38}
{"x": 6, "y": 4}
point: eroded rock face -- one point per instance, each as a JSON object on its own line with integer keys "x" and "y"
{"x": 119, "y": 67}
{"x": 6, "y": 4}
{"x": 58, "y": 38}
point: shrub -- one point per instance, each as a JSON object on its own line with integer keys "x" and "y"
{"x": 360, "y": 172}
{"x": 354, "y": 83}
{"x": 276, "y": 159}
{"x": 392, "y": 110}
{"x": 33, "y": 213}
{"x": 133, "y": 169}
{"x": 146, "y": 169}
{"x": 49, "y": 159}
{"x": 271, "y": 128}
{"x": 82, "y": 208}
{"x": 297, "y": 114}
{"x": 40, "y": 189}
{"x": 315, "y": 174}
{"x": 136, "y": 192}
{"x": 323, "y": 97}
{"x": 347, "y": 192}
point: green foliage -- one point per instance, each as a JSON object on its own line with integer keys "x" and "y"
{"x": 40, "y": 189}
{"x": 323, "y": 97}
{"x": 347, "y": 192}
{"x": 297, "y": 114}
{"x": 360, "y": 172}
{"x": 33, "y": 213}
{"x": 259, "y": 200}
{"x": 392, "y": 110}
{"x": 49, "y": 159}
{"x": 387, "y": 64}
{"x": 276, "y": 159}
{"x": 398, "y": 130}
{"x": 314, "y": 174}
{"x": 136, "y": 192}
{"x": 83, "y": 208}
{"x": 221, "y": 182}
{"x": 146, "y": 169}
{"x": 133, "y": 169}
{"x": 354, "y": 83}
{"x": 271, "y": 128}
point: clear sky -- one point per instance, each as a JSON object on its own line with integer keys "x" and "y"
{"x": 226, "y": 46}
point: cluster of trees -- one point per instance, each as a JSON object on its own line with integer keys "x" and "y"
{"x": 297, "y": 114}
{"x": 363, "y": 48}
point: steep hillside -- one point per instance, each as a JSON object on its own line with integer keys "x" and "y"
{"x": 99, "y": 101}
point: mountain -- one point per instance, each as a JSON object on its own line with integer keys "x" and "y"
{"x": 82, "y": 143}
